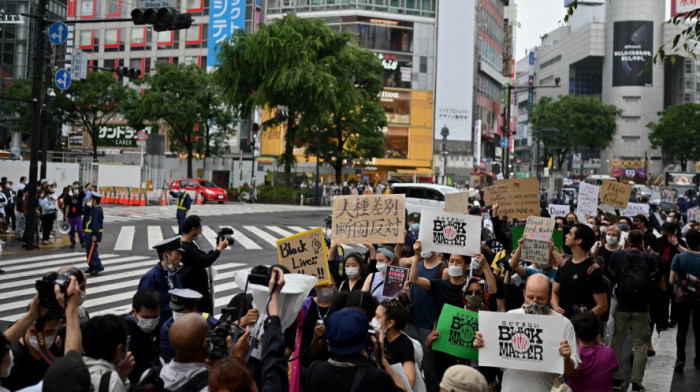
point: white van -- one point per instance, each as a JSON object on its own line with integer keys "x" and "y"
{"x": 597, "y": 179}
{"x": 423, "y": 196}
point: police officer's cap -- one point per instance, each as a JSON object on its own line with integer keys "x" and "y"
{"x": 169, "y": 244}
{"x": 183, "y": 298}
{"x": 414, "y": 216}
{"x": 96, "y": 194}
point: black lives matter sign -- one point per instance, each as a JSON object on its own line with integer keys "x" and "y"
{"x": 450, "y": 232}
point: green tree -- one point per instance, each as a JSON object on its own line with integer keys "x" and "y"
{"x": 20, "y": 89}
{"x": 580, "y": 121}
{"x": 678, "y": 133}
{"x": 215, "y": 118}
{"x": 134, "y": 111}
{"x": 92, "y": 103}
{"x": 288, "y": 63}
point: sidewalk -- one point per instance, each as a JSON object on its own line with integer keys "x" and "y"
{"x": 13, "y": 247}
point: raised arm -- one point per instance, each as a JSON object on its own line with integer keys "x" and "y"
{"x": 515, "y": 260}
{"x": 413, "y": 274}
{"x": 488, "y": 274}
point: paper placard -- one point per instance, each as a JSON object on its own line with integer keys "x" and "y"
{"x": 535, "y": 251}
{"x": 692, "y": 214}
{"x": 557, "y": 237}
{"x": 587, "y": 200}
{"x": 623, "y": 237}
{"x": 457, "y": 329}
{"x": 305, "y": 253}
{"x": 538, "y": 228}
{"x": 522, "y": 341}
{"x": 457, "y": 202}
{"x": 449, "y": 232}
{"x": 556, "y": 210}
{"x": 516, "y": 198}
{"x": 636, "y": 208}
{"x": 615, "y": 193}
{"x": 394, "y": 279}
{"x": 378, "y": 219}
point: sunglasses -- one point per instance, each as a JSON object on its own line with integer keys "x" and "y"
{"x": 473, "y": 292}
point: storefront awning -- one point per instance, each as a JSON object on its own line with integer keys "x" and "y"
{"x": 418, "y": 170}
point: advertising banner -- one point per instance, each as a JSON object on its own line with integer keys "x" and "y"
{"x": 377, "y": 219}
{"x": 225, "y": 17}
{"x": 457, "y": 329}
{"x": 633, "y": 50}
{"x": 119, "y": 136}
{"x": 305, "y": 253}
{"x": 450, "y": 233}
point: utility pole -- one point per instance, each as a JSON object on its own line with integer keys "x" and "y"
{"x": 45, "y": 122}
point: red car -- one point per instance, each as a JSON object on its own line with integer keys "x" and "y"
{"x": 207, "y": 190}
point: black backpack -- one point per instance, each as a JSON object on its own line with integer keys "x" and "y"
{"x": 153, "y": 383}
{"x": 633, "y": 281}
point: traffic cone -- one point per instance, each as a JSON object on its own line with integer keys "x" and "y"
{"x": 135, "y": 199}
{"x": 106, "y": 199}
{"x": 122, "y": 198}
{"x": 143, "y": 199}
{"x": 199, "y": 200}
{"x": 163, "y": 199}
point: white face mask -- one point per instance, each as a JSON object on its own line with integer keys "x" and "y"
{"x": 7, "y": 371}
{"x": 670, "y": 220}
{"x": 352, "y": 272}
{"x": 376, "y": 324}
{"x": 603, "y": 229}
{"x": 34, "y": 342}
{"x": 542, "y": 266}
{"x": 381, "y": 267}
{"x": 329, "y": 232}
{"x": 177, "y": 315}
{"x": 611, "y": 239}
{"x": 455, "y": 271}
{"x": 426, "y": 254}
{"x": 148, "y": 325}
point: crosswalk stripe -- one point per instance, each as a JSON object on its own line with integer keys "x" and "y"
{"x": 6, "y": 264}
{"x": 26, "y": 268}
{"x": 175, "y": 228}
{"x": 297, "y": 228}
{"x": 154, "y": 236}
{"x": 245, "y": 241}
{"x": 210, "y": 236}
{"x": 284, "y": 233}
{"x": 125, "y": 240}
{"x": 266, "y": 237}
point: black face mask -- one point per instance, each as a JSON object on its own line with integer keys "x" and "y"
{"x": 570, "y": 222}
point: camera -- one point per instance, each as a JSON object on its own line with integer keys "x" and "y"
{"x": 222, "y": 331}
{"x": 260, "y": 274}
{"x": 226, "y": 233}
{"x": 45, "y": 285}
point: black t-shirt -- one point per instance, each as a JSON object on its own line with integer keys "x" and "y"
{"x": 307, "y": 333}
{"x": 400, "y": 350}
{"x": 74, "y": 204}
{"x": 27, "y": 370}
{"x": 616, "y": 261}
{"x": 576, "y": 288}
{"x": 324, "y": 376}
{"x": 345, "y": 285}
{"x": 444, "y": 292}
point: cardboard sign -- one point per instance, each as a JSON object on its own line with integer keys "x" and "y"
{"x": 457, "y": 202}
{"x": 692, "y": 214}
{"x": 457, "y": 329}
{"x": 449, "y": 232}
{"x": 378, "y": 219}
{"x": 556, "y": 210}
{"x": 522, "y": 341}
{"x": 557, "y": 237}
{"x": 636, "y": 208}
{"x": 587, "y": 200}
{"x": 394, "y": 279}
{"x": 516, "y": 198}
{"x": 615, "y": 193}
{"x": 305, "y": 253}
{"x": 537, "y": 232}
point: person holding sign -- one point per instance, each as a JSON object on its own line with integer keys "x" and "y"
{"x": 374, "y": 284}
{"x": 547, "y": 269}
{"x": 537, "y": 296}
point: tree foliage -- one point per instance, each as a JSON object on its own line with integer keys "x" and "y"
{"x": 20, "y": 89}
{"x": 579, "y": 120}
{"x": 678, "y": 133}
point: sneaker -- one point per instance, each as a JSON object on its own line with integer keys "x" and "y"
{"x": 638, "y": 387}
{"x": 678, "y": 367}
{"x": 617, "y": 385}
{"x": 89, "y": 270}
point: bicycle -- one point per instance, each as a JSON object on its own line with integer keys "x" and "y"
{"x": 250, "y": 196}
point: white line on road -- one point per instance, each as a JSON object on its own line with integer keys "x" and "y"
{"x": 125, "y": 240}
{"x": 266, "y": 237}
{"x": 245, "y": 241}
{"x": 154, "y": 236}
{"x": 279, "y": 230}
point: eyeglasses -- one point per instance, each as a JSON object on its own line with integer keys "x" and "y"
{"x": 473, "y": 292}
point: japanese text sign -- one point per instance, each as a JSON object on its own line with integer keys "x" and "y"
{"x": 394, "y": 279}
{"x": 457, "y": 202}
{"x": 522, "y": 341}
{"x": 635, "y": 208}
{"x": 516, "y": 198}
{"x": 225, "y": 17}
{"x": 373, "y": 218}
{"x": 305, "y": 253}
{"x": 615, "y": 193}
{"x": 457, "y": 329}
{"x": 449, "y": 232}
{"x": 587, "y": 200}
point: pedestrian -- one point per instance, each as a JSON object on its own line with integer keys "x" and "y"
{"x": 10, "y": 194}
{"x": 683, "y": 266}
{"x": 142, "y": 331}
{"x": 463, "y": 378}
{"x": 184, "y": 202}
{"x": 93, "y": 234}
{"x": 163, "y": 276}
{"x": 182, "y": 302}
{"x": 19, "y": 213}
{"x": 48, "y": 216}
{"x": 598, "y": 361}
{"x": 74, "y": 214}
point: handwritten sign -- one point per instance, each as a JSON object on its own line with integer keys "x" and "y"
{"x": 537, "y": 232}
{"x": 394, "y": 279}
{"x": 615, "y": 193}
{"x": 523, "y": 341}
{"x": 692, "y": 214}
{"x": 556, "y": 210}
{"x": 516, "y": 198}
{"x": 457, "y": 329}
{"x": 557, "y": 237}
{"x": 587, "y": 200}
{"x": 457, "y": 202}
{"x": 305, "y": 253}
{"x": 635, "y": 208}
{"x": 373, "y": 218}
{"x": 449, "y": 232}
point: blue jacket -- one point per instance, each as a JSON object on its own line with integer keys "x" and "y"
{"x": 161, "y": 280}
{"x": 94, "y": 222}
{"x": 166, "y": 351}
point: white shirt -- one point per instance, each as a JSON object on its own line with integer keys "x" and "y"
{"x": 176, "y": 374}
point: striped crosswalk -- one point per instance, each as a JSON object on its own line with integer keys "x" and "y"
{"x": 109, "y": 292}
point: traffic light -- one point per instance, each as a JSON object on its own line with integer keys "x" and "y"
{"x": 162, "y": 19}
{"x": 129, "y": 72}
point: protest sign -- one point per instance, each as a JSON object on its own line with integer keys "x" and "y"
{"x": 615, "y": 193}
{"x": 369, "y": 218}
{"x": 522, "y": 341}
{"x": 457, "y": 328}
{"x": 587, "y": 200}
{"x": 635, "y": 208}
{"x": 449, "y": 232}
{"x": 692, "y": 214}
{"x": 668, "y": 200}
{"x": 537, "y": 232}
{"x": 556, "y": 210}
{"x": 557, "y": 237}
{"x": 305, "y": 253}
{"x": 457, "y": 202}
{"x": 516, "y": 198}
{"x": 394, "y": 279}
{"x": 623, "y": 237}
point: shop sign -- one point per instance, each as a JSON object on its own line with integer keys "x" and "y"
{"x": 406, "y": 74}
{"x": 10, "y": 18}
{"x": 388, "y": 61}
{"x": 119, "y": 136}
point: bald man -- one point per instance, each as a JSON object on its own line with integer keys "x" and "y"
{"x": 538, "y": 289}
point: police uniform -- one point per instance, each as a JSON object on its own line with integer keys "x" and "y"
{"x": 412, "y": 236}
{"x": 184, "y": 201}
{"x": 93, "y": 227}
{"x": 163, "y": 280}
{"x": 179, "y": 300}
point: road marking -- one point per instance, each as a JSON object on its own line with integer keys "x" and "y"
{"x": 266, "y": 237}
{"x": 279, "y": 230}
{"x": 245, "y": 241}
{"x": 210, "y": 236}
{"x": 26, "y": 269}
{"x": 155, "y": 235}
{"x": 297, "y": 228}
{"x": 125, "y": 240}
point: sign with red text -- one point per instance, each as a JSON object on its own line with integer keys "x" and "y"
{"x": 537, "y": 232}
{"x": 305, "y": 253}
{"x": 378, "y": 219}
{"x": 450, "y": 232}
{"x": 394, "y": 280}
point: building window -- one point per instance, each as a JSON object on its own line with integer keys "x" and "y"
{"x": 195, "y": 6}
{"x": 195, "y": 37}
{"x": 140, "y": 38}
{"x": 397, "y": 105}
{"x": 113, "y": 40}
{"x": 397, "y": 69}
{"x": 86, "y": 39}
{"x": 381, "y": 34}
{"x": 87, "y": 9}
{"x": 396, "y": 142}
{"x": 114, "y": 9}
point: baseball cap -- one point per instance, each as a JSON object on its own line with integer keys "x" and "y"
{"x": 67, "y": 373}
{"x": 463, "y": 378}
{"x": 346, "y": 331}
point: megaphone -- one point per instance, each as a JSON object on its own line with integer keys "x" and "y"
{"x": 64, "y": 227}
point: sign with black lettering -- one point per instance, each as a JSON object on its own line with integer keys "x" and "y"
{"x": 305, "y": 253}
{"x": 449, "y": 232}
{"x": 517, "y": 197}
{"x": 538, "y": 231}
{"x": 377, "y": 219}
{"x": 457, "y": 327}
{"x": 394, "y": 280}
{"x": 522, "y": 341}
{"x": 617, "y": 194}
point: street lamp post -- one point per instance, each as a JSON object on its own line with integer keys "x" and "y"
{"x": 444, "y": 132}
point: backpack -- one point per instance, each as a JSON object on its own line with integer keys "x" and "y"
{"x": 633, "y": 278}
{"x": 688, "y": 290}
{"x": 152, "y": 382}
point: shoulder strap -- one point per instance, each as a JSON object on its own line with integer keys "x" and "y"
{"x": 196, "y": 383}
{"x": 592, "y": 268}
{"x": 104, "y": 381}
{"x": 359, "y": 376}
{"x": 378, "y": 285}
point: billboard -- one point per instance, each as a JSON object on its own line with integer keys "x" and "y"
{"x": 682, "y": 6}
{"x": 118, "y": 136}
{"x": 454, "y": 79}
{"x": 633, "y": 49}
{"x": 225, "y": 17}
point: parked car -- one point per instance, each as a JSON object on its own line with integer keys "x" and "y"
{"x": 655, "y": 200}
{"x": 207, "y": 190}
{"x": 423, "y": 196}
{"x": 597, "y": 179}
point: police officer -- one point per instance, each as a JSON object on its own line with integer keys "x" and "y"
{"x": 413, "y": 228}
{"x": 93, "y": 234}
{"x": 182, "y": 301}
{"x": 163, "y": 276}
{"x": 184, "y": 202}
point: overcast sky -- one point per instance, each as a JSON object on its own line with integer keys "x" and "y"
{"x": 536, "y": 18}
